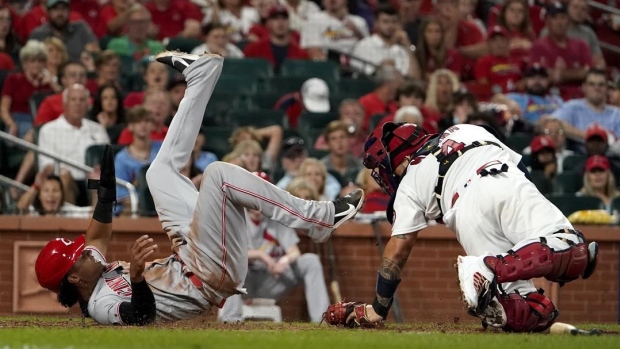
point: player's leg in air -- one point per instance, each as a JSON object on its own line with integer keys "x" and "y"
{"x": 513, "y": 234}
{"x": 208, "y": 228}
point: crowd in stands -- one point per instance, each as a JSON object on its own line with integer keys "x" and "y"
{"x": 303, "y": 84}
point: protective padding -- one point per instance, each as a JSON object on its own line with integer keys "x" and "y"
{"x": 539, "y": 260}
{"x": 532, "y": 313}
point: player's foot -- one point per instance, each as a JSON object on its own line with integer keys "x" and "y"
{"x": 477, "y": 283}
{"x": 177, "y": 60}
{"x": 494, "y": 315}
{"x": 592, "y": 258}
{"x": 347, "y": 206}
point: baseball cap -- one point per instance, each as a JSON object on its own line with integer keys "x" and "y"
{"x": 597, "y": 162}
{"x": 555, "y": 8}
{"x": 277, "y": 11}
{"x": 595, "y": 130}
{"x": 542, "y": 142}
{"x": 292, "y": 146}
{"x": 535, "y": 70}
{"x": 315, "y": 95}
{"x": 52, "y": 3}
{"x": 497, "y": 30}
{"x": 55, "y": 260}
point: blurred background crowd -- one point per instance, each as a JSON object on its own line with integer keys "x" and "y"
{"x": 304, "y": 82}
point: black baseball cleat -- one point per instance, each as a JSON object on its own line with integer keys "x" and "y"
{"x": 347, "y": 206}
{"x": 177, "y": 60}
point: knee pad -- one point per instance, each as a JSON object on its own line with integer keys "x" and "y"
{"x": 533, "y": 312}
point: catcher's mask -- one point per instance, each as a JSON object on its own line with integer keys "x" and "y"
{"x": 387, "y": 146}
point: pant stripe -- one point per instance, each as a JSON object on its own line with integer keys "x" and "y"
{"x": 224, "y": 251}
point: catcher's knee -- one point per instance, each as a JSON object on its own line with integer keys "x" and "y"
{"x": 533, "y": 312}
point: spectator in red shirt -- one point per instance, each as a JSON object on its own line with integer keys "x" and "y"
{"x": 532, "y": 10}
{"x": 170, "y": 16}
{"x": 462, "y": 34}
{"x": 382, "y": 99}
{"x": 89, "y": 10}
{"x": 9, "y": 43}
{"x": 156, "y": 76}
{"x": 159, "y": 104}
{"x": 278, "y": 46}
{"x": 38, "y": 16}
{"x": 6, "y": 62}
{"x": 259, "y": 31}
{"x": 515, "y": 18}
{"x": 498, "y": 71}
{"x": 567, "y": 59}
{"x": 431, "y": 51}
{"x": 411, "y": 93}
{"x": 113, "y": 18}
{"x": 69, "y": 74}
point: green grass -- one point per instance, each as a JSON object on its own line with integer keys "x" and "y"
{"x": 70, "y": 334}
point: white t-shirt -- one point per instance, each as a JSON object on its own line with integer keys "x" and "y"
{"x": 374, "y": 50}
{"x": 415, "y": 201}
{"x": 327, "y": 32}
{"x": 297, "y": 16}
{"x": 232, "y": 51}
{"x": 238, "y": 27}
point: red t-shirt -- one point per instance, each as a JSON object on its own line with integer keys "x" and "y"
{"x": 292, "y": 105}
{"x": 172, "y": 20}
{"x": 50, "y": 109}
{"x": 133, "y": 99}
{"x": 519, "y": 52}
{"x": 20, "y": 89}
{"x": 454, "y": 61}
{"x": 468, "y": 34}
{"x": 36, "y": 17}
{"x": 500, "y": 71}
{"x": 107, "y": 14}
{"x": 262, "y": 49}
{"x": 537, "y": 17}
{"x": 262, "y": 33}
{"x": 374, "y": 105}
{"x": 126, "y": 137}
{"x": 89, "y": 10}
{"x": 6, "y": 62}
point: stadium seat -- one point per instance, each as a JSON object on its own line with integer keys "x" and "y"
{"x": 222, "y": 103}
{"x": 216, "y": 140}
{"x": 146, "y": 206}
{"x": 527, "y": 159}
{"x": 183, "y": 44}
{"x": 257, "y": 68}
{"x": 568, "y": 182}
{"x": 266, "y": 99}
{"x": 240, "y": 85}
{"x": 519, "y": 141}
{"x": 316, "y": 153}
{"x": 285, "y": 84}
{"x": 354, "y": 88}
{"x": 569, "y": 203}
{"x": 574, "y": 162}
{"x": 328, "y": 70}
{"x": 543, "y": 184}
{"x": 35, "y": 100}
{"x": 257, "y": 118}
{"x": 309, "y": 120}
{"x": 95, "y": 152}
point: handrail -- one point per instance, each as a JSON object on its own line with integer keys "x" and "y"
{"x": 604, "y": 7}
{"x": 133, "y": 194}
{"x": 613, "y": 48}
{"x": 13, "y": 183}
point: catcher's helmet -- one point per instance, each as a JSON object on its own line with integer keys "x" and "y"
{"x": 387, "y": 146}
{"x": 55, "y": 260}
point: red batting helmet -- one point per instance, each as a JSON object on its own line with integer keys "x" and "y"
{"x": 387, "y": 146}
{"x": 55, "y": 260}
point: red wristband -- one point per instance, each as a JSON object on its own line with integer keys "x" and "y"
{"x": 35, "y": 186}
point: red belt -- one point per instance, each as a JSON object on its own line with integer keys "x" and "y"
{"x": 194, "y": 279}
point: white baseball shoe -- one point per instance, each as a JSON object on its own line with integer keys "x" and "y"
{"x": 477, "y": 284}
{"x": 177, "y": 60}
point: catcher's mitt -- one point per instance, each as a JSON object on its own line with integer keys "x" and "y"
{"x": 338, "y": 313}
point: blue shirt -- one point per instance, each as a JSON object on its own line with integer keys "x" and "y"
{"x": 128, "y": 167}
{"x": 534, "y": 107}
{"x": 580, "y": 115}
{"x": 204, "y": 159}
{"x": 332, "y": 187}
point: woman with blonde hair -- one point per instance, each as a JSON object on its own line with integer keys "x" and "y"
{"x": 315, "y": 172}
{"x": 272, "y": 135}
{"x": 56, "y": 55}
{"x": 248, "y": 153}
{"x": 303, "y": 189}
{"x": 598, "y": 181}
{"x": 442, "y": 84}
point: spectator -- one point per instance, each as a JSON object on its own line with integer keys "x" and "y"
{"x": 340, "y": 159}
{"x": 70, "y": 135}
{"x": 278, "y": 46}
{"x": 554, "y": 128}
{"x": 534, "y": 11}
{"x": 598, "y": 181}
{"x": 352, "y": 114}
{"x": 235, "y": 16}
{"x": 614, "y": 93}
{"x": 577, "y": 11}
{"x": 313, "y": 97}
{"x": 314, "y": 172}
{"x": 176, "y": 88}
{"x": 432, "y": 53}
{"x": 249, "y": 154}
{"x": 515, "y": 18}
{"x": 202, "y": 159}
{"x": 486, "y": 118}
{"x": 375, "y": 199}
{"x": 567, "y": 59}
{"x": 465, "y": 104}
{"x": 69, "y": 74}
{"x": 578, "y": 114}
{"x": 536, "y": 101}
{"x": 442, "y": 84}
{"x": 498, "y": 71}
{"x": 113, "y": 18}
{"x": 107, "y": 68}
{"x": 108, "y": 111}
{"x": 382, "y": 99}
{"x": 39, "y": 15}
{"x": 259, "y": 30}
{"x": 156, "y": 76}
{"x": 460, "y": 34}
{"x": 597, "y": 143}
{"x": 276, "y": 266}
{"x": 543, "y": 156}
{"x": 333, "y": 29}
{"x": 46, "y": 198}
{"x": 299, "y": 11}
{"x": 388, "y": 43}
{"x": 466, "y": 11}
{"x": 56, "y": 56}
{"x": 139, "y": 153}
{"x": 411, "y": 18}
{"x": 75, "y": 35}
{"x": 19, "y": 87}
{"x": 136, "y": 42}
{"x": 216, "y": 41}
{"x": 271, "y": 135}
{"x": 159, "y": 104}
{"x": 9, "y": 42}
{"x": 171, "y": 17}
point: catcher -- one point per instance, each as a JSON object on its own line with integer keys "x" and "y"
{"x": 479, "y": 188}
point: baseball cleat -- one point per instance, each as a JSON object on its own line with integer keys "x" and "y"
{"x": 494, "y": 315}
{"x": 177, "y": 60}
{"x": 347, "y": 206}
{"x": 477, "y": 284}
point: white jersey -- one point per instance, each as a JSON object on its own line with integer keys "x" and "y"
{"x": 176, "y": 297}
{"x": 415, "y": 202}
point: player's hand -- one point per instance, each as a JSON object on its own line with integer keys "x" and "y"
{"x": 371, "y": 316}
{"x": 280, "y": 266}
{"x": 142, "y": 249}
{"x": 269, "y": 261}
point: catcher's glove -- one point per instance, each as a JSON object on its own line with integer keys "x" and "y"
{"x": 337, "y": 315}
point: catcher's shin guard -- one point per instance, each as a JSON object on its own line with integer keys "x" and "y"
{"x": 539, "y": 260}
{"x": 533, "y": 312}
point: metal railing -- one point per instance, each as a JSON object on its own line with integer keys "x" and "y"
{"x": 133, "y": 194}
{"x": 604, "y": 7}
